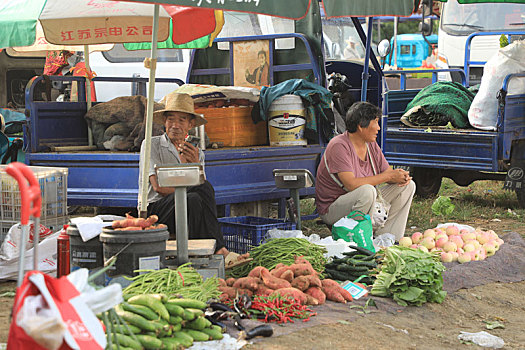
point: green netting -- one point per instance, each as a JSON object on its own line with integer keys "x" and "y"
{"x": 438, "y": 104}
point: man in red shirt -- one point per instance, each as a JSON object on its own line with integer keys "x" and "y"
{"x": 346, "y": 179}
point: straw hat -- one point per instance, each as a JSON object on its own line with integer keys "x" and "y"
{"x": 177, "y": 102}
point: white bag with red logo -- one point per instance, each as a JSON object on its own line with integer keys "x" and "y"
{"x": 51, "y": 313}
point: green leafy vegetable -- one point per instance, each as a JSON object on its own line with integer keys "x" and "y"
{"x": 410, "y": 277}
{"x": 442, "y": 206}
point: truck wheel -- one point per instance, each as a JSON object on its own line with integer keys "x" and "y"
{"x": 428, "y": 181}
{"x": 521, "y": 197}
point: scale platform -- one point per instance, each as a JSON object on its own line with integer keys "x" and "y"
{"x": 200, "y": 254}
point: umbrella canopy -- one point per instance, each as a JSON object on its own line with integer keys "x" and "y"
{"x": 296, "y": 9}
{"x": 88, "y": 22}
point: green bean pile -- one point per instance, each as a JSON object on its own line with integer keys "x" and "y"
{"x": 282, "y": 250}
{"x": 184, "y": 281}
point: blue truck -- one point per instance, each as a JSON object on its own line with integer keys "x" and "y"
{"x": 464, "y": 155}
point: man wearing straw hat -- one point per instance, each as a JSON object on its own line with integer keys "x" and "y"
{"x": 179, "y": 118}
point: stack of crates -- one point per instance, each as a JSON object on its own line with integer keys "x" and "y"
{"x": 53, "y": 187}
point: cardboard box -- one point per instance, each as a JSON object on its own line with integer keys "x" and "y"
{"x": 234, "y": 126}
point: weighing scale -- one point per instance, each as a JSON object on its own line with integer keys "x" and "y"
{"x": 294, "y": 179}
{"x": 197, "y": 251}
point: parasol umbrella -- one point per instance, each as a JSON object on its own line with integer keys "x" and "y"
{"x": 88, "y": 22}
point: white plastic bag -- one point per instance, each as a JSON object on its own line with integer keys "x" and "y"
{"x": 384, "y": 240}
{"x": 47, "y": 259}
{"x": 41, "y": 323}
{"x": 484, "y": 339}
{"x": 9, "y": 249}
{"x": 483, "y": 111}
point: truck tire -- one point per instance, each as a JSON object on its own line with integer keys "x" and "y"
{"x": 428, "y": 181}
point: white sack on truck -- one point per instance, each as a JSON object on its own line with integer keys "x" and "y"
{"x": 483, "y": 112}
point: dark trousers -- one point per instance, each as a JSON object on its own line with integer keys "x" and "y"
{"x": 202, "y": 213}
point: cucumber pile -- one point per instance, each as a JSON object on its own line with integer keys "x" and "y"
{"x": 152, "y": 321}
{"x": 357, "y": 263}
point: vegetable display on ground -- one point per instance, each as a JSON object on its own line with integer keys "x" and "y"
{"x": 154, "y": 321}
{"x": 183, "y": 281}
{"x": 282, "y": 251}
{"x": 410, "y": 276}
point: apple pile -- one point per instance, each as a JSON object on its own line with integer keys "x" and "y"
{"x": 454, "y": 244}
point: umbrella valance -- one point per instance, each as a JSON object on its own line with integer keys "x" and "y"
{"x": 297, "y": 9}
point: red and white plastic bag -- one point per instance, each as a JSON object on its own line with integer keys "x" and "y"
{"x": 51, "y": 313}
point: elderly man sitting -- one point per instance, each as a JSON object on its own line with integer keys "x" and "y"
{"x": 171, "y": 148}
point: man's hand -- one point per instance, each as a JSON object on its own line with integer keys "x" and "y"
{"x": 188, "y": 153}
{"x": 398, "y": 176}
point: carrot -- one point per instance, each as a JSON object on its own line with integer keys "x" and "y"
{"x": 287, "y": 275}
{"x": 291, "y": 292}
{"x": 246, "y": 283}
{"x": 301, "y": 283}
{"x": 273, "y": 282}
{"x": 256, "y": 271}
{"x": 333, "y": 294}
{"x": 317, "y": 293}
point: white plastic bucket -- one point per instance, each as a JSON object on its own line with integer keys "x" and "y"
{"x": 286, "y": 121}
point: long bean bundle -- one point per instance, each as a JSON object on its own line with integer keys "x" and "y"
{"x": 184, "y": 281}
{"x": 282, "y": 250}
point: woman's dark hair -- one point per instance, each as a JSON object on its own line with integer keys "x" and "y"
{"x": 361, "y": 113}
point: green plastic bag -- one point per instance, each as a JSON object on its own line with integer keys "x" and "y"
{"x": 355, "y": 227}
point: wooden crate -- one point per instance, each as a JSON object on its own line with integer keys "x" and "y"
{"x": 234, "y": 126}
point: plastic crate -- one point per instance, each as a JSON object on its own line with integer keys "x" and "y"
{"x": 53, "y": 188}
{"x": 241, "y": 233}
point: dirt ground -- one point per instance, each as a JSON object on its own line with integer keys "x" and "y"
{"x": 431, "y": 326}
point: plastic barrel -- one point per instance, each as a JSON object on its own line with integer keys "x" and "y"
{"x": 146, "y": 250}
{"x": 286, "y": 121}
{"x": 85, "y": 254}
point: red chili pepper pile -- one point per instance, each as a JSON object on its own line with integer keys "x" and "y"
{"x": 280, "y": 309}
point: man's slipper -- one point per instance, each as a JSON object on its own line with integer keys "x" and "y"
{"x": 234, "y": 259}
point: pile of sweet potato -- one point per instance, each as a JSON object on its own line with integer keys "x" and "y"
{"x": 131, "y": 223}
{"x": 298, "y": 280}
